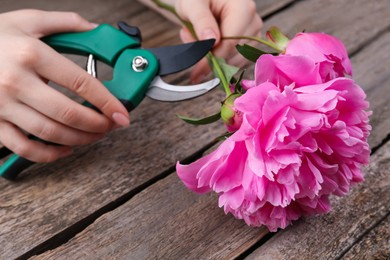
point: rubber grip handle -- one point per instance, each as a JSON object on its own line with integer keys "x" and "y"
{"x": 105, "y": 42}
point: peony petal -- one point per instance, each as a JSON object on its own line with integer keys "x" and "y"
{"x": 187, "y": 173}
{"x": 316, "y": 101}
{"x": 320, "y": 47}
{"x": 285, "y": 70}
{"x": 228, "y": 174}
{"x": 233, "y": 198}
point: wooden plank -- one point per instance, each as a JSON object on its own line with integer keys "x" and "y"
{"x": 353, "y": 27}
{"x": 267, "y": 7}
{"x": 46, "y": 199}
{"x": 177, "y": 223}
{"x": 375, "y": 245}
{"x": 89, "y": 9}
{"x": 371, "y": 73}
{"x": 165, "y": 221}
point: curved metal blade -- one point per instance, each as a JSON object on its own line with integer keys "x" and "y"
{"x": 162, "y": 91}
{"x": 175, "y": 58}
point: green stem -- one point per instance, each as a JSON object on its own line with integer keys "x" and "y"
{"x": 220, "y": 75}
{"x": 253, "y": 38}
{"x": 210, "y": 56}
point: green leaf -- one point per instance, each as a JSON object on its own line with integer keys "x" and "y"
{"x": 201, "y": 121}
{"x": 237, "y": 83}
{"x": 249, "y": 52}
{"x": 228, "y": 70}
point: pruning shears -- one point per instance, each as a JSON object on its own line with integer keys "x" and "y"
{"x": 136, "y": 70}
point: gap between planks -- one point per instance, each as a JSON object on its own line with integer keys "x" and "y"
{"x": 71, "y": 231}
{"x": 362, "y": 236}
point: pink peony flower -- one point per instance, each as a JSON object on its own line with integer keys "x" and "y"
{"x": 325, "y": 50}
{"x": 309, "y": 58}
{"x": 294, "y": 147}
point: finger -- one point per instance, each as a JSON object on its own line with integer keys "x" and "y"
{"x": 61, "y": 108}
{"x": 62, "y": 71}
{"x": 227, "y": 48}
{"x": 14, "y": 139}
{"x": 41, "y": 23}
{"x": 200, "y": 15}
{"x": 44, "y": 128}
{"x": 239, "y": 17}
{"x": 239, "y": 20}
{"x": 186, "y": 36}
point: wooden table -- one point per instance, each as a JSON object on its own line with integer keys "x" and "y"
{"x": 120, "y": 198}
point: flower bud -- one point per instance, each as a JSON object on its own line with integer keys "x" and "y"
{"x": 230, "y": 115}
{"x": 275, "y": 36}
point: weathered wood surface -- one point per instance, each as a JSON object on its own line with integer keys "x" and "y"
{"x": 63, "y": 196}
{"x": 147, "y": 227}
{"x": 375, "y": 245}
{"x": 167, "y": 221}
{"x": 371, "y": 71}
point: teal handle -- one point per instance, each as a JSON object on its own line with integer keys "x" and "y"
{"x": 113, "y": 47}
{"x": 13, "y": 166}
{"x": 127, "y": 84}
{"x": 105, "y": 42}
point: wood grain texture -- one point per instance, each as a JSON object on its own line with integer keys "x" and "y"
{"x": 326, "y": 237}
{"x": 188, "y": 227}
{"x": 354, "y": 21}
{"x": 375, "y": 245}
{"x": 371, "y": 72}
{"x": 165, "y": 221}
{"x": 47, "y": 199}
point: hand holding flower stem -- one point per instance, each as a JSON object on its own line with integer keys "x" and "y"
{"x": 210, "y": 56}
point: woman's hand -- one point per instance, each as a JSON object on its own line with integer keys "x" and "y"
{"x": 29, "y": 106}
{"x": 217, "y": 19}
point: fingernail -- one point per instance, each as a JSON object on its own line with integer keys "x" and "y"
{"x": 121, "y": 119}
{"x": 208, "y": 34}
{"x": 94, "y": 25}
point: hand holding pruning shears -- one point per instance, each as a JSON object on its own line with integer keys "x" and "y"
{"x": 136, "y": 74}
{"x": 28, "y": 104}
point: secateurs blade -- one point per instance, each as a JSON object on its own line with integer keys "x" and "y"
{"x": 136, "y": 70}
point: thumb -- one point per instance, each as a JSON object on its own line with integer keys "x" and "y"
{"x": 42, "y": 23}
{"x": 203, "y": 20}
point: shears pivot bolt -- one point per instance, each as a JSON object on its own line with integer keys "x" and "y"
{"x": 139, "y": 63}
